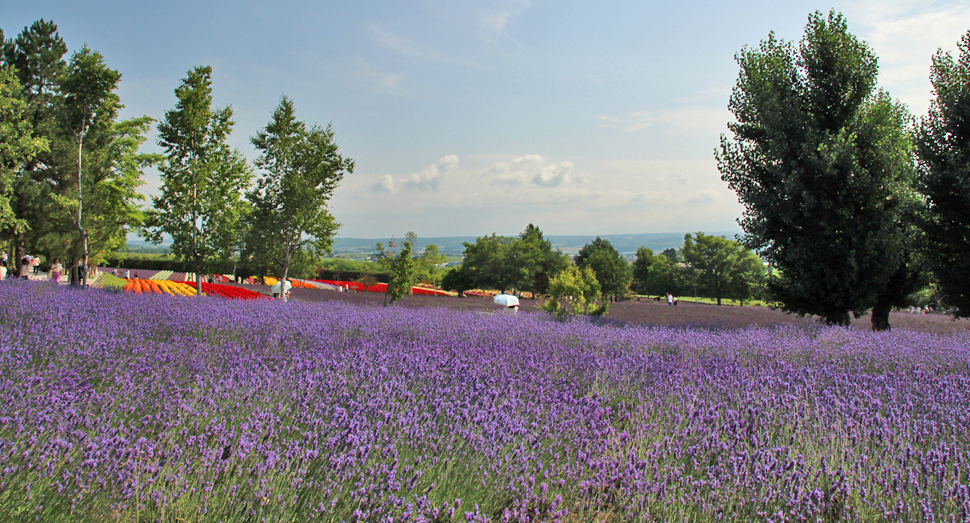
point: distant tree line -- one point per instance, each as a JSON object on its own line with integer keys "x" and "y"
{"x": 706, "y": 265}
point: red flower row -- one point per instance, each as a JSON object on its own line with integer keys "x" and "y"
{"x": 227, "y": 291}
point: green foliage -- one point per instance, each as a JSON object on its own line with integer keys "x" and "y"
{"x": 202, "y": 178}
{"x": 35, "y": 57}
{"x": 612, "y": 271}
{"x": 17, "y": 144}
{"x": 290, "y": 219}
{"x": 428, "y": 264}
{"x": 823, "y": 165}
{"x": 539, "y": 259}
{"x": 943, "y": 141}
{"x": 89, "y": 104}
{"x": 402, "y": 270}
{"x": 640, "y": 271}
{"x": 459, "y": 280}
{"x": 722, "y": 268}
{"x": 575, "y": 292}
{"x": 495, "y": 262}
{"x": 513, "y": 263}
{"x": 659, "y": 274}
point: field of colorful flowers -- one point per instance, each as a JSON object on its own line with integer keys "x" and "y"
{"x": 122, "y": 406}
{"x": 382, "y": 288}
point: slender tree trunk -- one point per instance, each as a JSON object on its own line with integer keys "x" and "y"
{"x": 20, "y": 253}
{"x": 195, "y": 245}
{"x": 80, "y": 226}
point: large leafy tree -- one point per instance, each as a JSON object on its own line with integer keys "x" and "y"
{"x": 300, "y": 168}
{"x": 943, "y": 141}
{"x": 822, "y": 162}
{"x": 612, "y": 271}
{"x": 540, "y": 260}
{"x": 722, "y": 268}
{"x": 203, "y": 179}
{"x": 89, "y": 104}
{"x": 496, "y": 262}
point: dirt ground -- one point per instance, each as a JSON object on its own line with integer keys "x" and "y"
{"x": 685, "y": 314}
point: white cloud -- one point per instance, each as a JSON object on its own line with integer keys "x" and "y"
{"x": 428, "y": 179}
{"x": 692, "y": 121}
{"x": 905, "y": 35}
{"x": 530, "y": 168}
{"x": 494, "y": 20}
{"x": 554, "y": 175}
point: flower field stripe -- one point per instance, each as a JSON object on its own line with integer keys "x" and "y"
{"x": 140, "y": 407}
{"x": 162, "y": 275}
{"x": 382, "y": 287}
{"x": 228, "y": 291}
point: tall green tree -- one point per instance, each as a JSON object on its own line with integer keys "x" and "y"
{"x": 540, "y": 261}
{"x": 640, "y": 272}
{"x": 203, "y": 179}
{"x": 716, "y": 262}
{"x": 943, "y": 141}
{"x": 747, "y": 276}
{"x": 822, "y": 162}
{"x": 401, "y": 268}
{"x": 89, "y": 102}
{"x": 495, "y": 262}
{"x": 36, "y": 57}
{"x": 459, "y": 280}
{"x": 299, "y": 169}
{"x": 430, "y": 262}
{"x": 612, "y": 271}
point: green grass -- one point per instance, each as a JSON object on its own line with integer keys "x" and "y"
{"x": 713, "y": 301}
{"x": 112, "y": 282}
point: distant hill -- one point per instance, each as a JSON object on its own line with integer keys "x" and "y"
{"x": 625, "y": 243}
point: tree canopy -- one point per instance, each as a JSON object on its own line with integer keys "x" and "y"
{"x": 612, "y": 271}
{"x": 202, "y": 178}
{"x": 943, "y": 141}
{"x": 823, "y": 165}
{"x": 300, "y": 168}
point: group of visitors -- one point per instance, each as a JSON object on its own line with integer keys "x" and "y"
{"x": 671, "y": 299}
{"x": 29, "y": 264}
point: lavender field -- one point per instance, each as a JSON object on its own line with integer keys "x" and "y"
{"x": 124, "y": 407}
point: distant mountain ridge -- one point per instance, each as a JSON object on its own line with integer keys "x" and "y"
{"x": 625, "y": 243}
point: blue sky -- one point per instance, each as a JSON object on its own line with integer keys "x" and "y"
{"x": 468, "y": 118}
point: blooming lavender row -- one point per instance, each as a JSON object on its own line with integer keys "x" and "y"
{"x": 157, "y": 408}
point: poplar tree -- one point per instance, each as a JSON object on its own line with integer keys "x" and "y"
{"x": 943, "y": 141}
{"x": 823, "y": 163}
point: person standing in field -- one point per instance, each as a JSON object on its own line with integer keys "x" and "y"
{"x": 24, "y": 271}
{"x": 56, "y": 270}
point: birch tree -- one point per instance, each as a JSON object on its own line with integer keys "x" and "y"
{"x": 299, "y": 169}
{"x": 203, "y": 179}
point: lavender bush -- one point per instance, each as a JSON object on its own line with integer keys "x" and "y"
{"x": 122, "y": 407}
